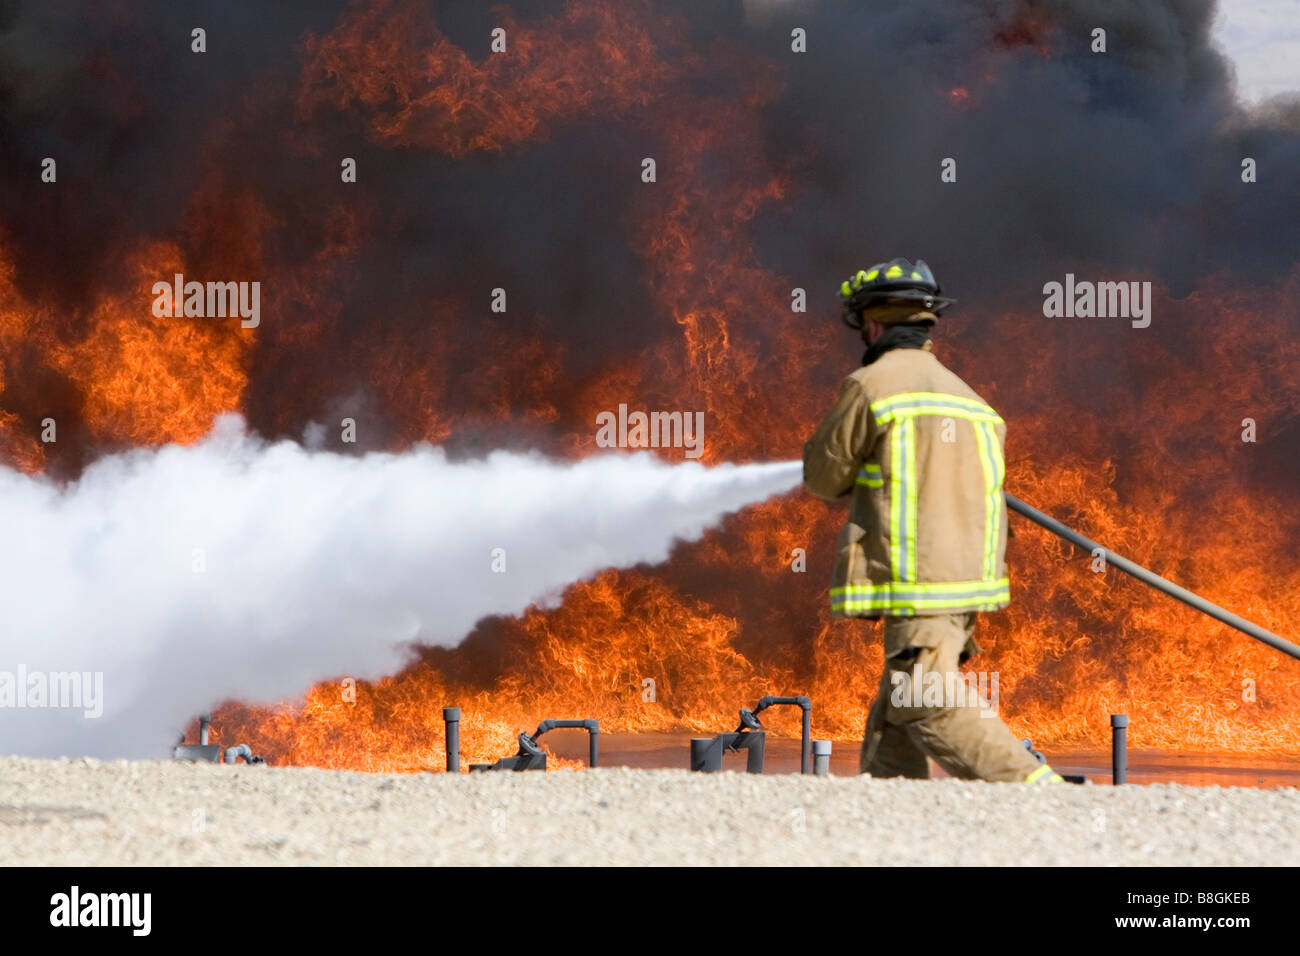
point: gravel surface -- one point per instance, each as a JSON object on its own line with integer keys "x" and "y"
{"x": 86, "y": 812}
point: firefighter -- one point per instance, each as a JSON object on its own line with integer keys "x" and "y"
{"x": 924, "y": 547}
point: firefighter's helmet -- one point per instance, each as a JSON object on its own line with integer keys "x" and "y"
{"x": 891, "y": 283}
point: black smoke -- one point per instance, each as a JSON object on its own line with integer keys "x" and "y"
{"x": 1123, "y": 164}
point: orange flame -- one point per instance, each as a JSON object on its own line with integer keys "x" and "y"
{"x": 731, "y": 617}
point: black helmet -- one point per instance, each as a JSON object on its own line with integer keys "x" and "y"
{"x": 886, "y": 281}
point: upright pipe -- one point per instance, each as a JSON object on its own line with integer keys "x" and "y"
{"x": 804, "y": 704}
{"x": 1154, "y": 580}
{"x": 451, "y": 717}
{"x": 1118, "y": 749}
{"x": 204, "y": 721}
{"x": 755, "y": 746}
{"x": 700, "y": 754}
{"x": 821, "y": 757}
{"x": 806, "y": 753}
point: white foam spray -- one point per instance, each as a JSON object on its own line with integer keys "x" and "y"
{"x": 237, "y": 569}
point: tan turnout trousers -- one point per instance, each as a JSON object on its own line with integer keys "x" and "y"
{"x": 943, "y": 717}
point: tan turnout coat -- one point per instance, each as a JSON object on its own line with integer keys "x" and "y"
{"x": 922, "y": 455}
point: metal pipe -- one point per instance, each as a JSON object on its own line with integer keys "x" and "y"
{"x": 237, "y": 751}
{"x": 1118, "y": 749}
{"x": 804, "y": 704}
{"x": 1153, "y": 579}
{"x": 707, "y": 752}
{"x": 700, "y": 754}
{"x": 806, "y": 764}
{"x": 451, "y": 718}
{"x": 204, "y": 721}
{"x": 590, "y": 725}
{"x": 821, "y": 757}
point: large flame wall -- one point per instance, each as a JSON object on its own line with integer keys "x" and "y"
{"x": 676, "y": 295}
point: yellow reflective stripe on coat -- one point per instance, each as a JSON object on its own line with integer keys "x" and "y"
{"x": 991, "y": 462}
{"x": 909, "y": 404}
{"x": 912, "y": 506}
{"x": 903, "y": 597}
{"x": 1044, "y": 774}
{"x": 903, "y": 502}
{"x": 897, "y": 493}
{"x": 869, "y": 475}
{"x": 913, "y": 502}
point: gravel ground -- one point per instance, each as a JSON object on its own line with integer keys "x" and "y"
{"x": 86, "y": 812}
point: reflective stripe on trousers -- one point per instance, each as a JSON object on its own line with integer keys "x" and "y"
{"x": 1044, "y": 774}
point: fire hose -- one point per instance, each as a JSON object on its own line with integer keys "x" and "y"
{"x": 1152, "y": 579}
